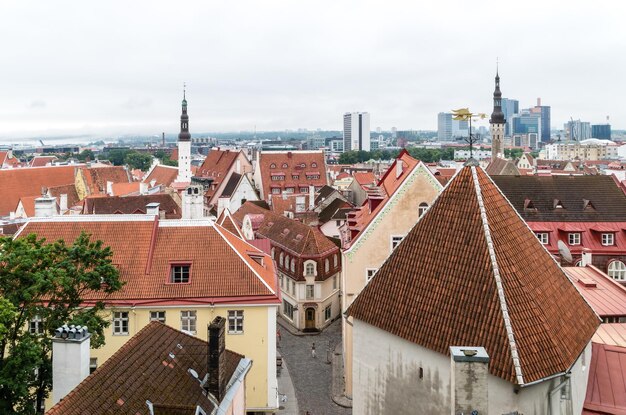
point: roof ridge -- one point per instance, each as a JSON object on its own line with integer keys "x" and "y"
{"x": 496, "y": 274}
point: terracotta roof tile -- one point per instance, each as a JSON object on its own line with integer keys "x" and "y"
{"x": 41, "y": 161}
{"x": 222, "y": 267}
{"x": 131, "y": 205}
{"x": 468, "y": 258}
{"x": 15, "y": 183}
{"x": 69, "y": 190}
{"x": 217, "y": 163}
{"x": 122, "y": 189}
{"x": 295, "y": 165}
{"x": 136, "y": 374}
{"x": 161, "y": 174}
{"x": 502, "y": 167}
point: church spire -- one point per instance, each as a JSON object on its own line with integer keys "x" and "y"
{"x": 497, "y": 116}
{"x": 184, "y": 120}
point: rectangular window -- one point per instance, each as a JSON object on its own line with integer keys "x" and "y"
{"x": 295, "y": 176}
{"x": 288, "y": 310}
{"x": 543, "y": 237}
{"x": 36, "y": 325}
{"x": 120, "y": 323}
{"x": 235, "y": 321}
{"x": 327, "y": 312}
{"x": 395, "y": 241}
{"x": 608, "y": 239}
{"x": 157, "y": 316}
{"x": 179, "y": 274}
{"x": 574, "y": 238}
{"x": 188, "y": 321}
{"x": 369, "y": 274}
{"x": 335, "y": 282}
{"x": 276, "y": 190}
{"x": 310, "y": 292}
{"x": 304, "y": 190}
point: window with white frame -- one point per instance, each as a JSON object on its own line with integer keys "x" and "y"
{"x": 369, "y": 274}
{"x": 188, "y": 321}
{"x": 293, "y": 265}
{"x": 179, "y": 273}
{"x": 326, "y": 265}
{"x": 310, "y": 269}
{"x": 328, "y": 312}
{"x": 281, "y": 259}
{"x": 275, "y": 190}
{"x": 574, "y": 238}
{"x": 288, "y": 309}
{"x": 310, "y": 291}
{"x": 120, "y": 323}
{"x": 608, "y": 239}
{"x": 157, "y": 316}
{"x": 543, "y": 237}
{"x": 617, "y": 270}
{"x": 395, "y": 241}
{"x": 36, "y": 325}
{"x": 422, "y": 208}
{"x": 235, "y": 321}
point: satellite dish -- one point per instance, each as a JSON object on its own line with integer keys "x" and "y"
{"x": 193, "y": 373}
{"x": 566, "y": 255}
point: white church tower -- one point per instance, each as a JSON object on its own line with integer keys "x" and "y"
{"x": 184, "y": 146}
{"x": 497, "y": 122}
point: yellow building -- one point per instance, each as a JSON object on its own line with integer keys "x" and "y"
{"x": 373, "y": 231}
{"x": 184, "y": 273}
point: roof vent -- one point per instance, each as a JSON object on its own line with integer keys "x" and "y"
{"x": 587, "y": 205}
{"x": 557, "y": 204}
{"x": 529, "y": 205}
{"x": 587, "y": 282}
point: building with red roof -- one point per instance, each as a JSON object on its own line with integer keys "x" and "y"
{"x": 289, "y": 171}
{"x": 308, "y": 265}
{"x": 98, "y": 180}
{"x": 217, "y": 170}
{"x": 42, "y": 161}
{"x": 7, "y": 161}
{"x": 161, "y": 175}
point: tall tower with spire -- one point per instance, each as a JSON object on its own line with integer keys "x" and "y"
{"x": 497, "y": 122}
{"x": 184, "y": 145}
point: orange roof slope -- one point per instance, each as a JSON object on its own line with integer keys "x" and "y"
{"x": 217, "y": 163}
{"x": 365, "y": 178}
{"x": 297, "y": 167}
{"x": 465, "y": 269}
{"x": 161, "y": 174}
{"x": 41, "y": 161}
{"x": 221, "y": 270}
{"x": 15, "y": 183}
{"x": 96, "y": 178}
{"x": 152, "y": 366}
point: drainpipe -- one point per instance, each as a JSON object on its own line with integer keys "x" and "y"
{"x": 556, "y": 389}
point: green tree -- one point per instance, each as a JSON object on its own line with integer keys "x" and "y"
{"x": 48, "y": 281}
{"x": 86, "y": 155}
{"x": 165, "y": 158}
{"x": 117, "y": 156}
{"x": 141, "y": 161}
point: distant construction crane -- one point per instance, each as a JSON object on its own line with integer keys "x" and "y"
{"x": 42, "y": 143}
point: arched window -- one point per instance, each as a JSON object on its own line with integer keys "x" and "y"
{"x": 293, "y": 265}
{"x": 423, "y": 207}
{"x": 310, "y": 269}
{"x": 326, "y": 265}
{"x": 282, "y": 258}
{"x": 335, "y": 260}
{"x": 273, "y": 252}
{"x": 617, "y": 270}
{"x": 287, "y": 261}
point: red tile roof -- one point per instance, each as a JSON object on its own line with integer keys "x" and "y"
{"x": 152, "y": 366}
{"x": 15, "y": 183}
{"x": 122, "y": 189}
{"x": 217, "y": 164}
{"x": 467, "y": 268}
{"x": 69, "y": 190}
{"x": 606, "y": 296}
{"x": 365, "y": 179}
{"x": 606, "y": 387}
{"x": 287, "y": 203}
{"x": 295, "y": 165}
{"x": 96, "y": 178}
{"x": 227, "y": 222}
{"x": 131, "y": 205}
{"x": 41, "y": 161}
{"x": 5, "y": 159}
{"x": 161, "y": 174}
{"x": 222, "y": 266}
{"x": 28, "y": 204}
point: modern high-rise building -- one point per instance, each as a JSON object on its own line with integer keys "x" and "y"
{"x": 601, "y": 131}
{"x": 510, "y": 107}
{"x": 543, "y": 111}
{"x": 576, "y": 130}
{"x": 356, "y": 131}
{"x": 449, "y": 129}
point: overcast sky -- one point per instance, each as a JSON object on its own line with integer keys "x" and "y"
{"x": 117, "y": 67}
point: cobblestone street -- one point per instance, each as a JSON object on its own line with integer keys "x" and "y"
{"x": 312, "y": 376}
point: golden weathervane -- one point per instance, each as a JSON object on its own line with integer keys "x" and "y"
{"x": 464, "y": 114}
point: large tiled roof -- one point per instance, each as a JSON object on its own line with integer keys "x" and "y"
{"x": 329, "y": 212}
{"x": 365, "y": 179}
{"x": 223, "y": 267}
{"x": 131, "y": 205}
{"x": 290, "y": 234}
{"x": 296, "y": 166}
{"x": 152, "y": 366}
{"x": 230, "y": 187}
{"x": 500, "y": 166}
{"x": 583, "y": 198}
{"x": 15, "y": 183}
{"x": 162, "y": 174}
{"x": 69, "y": 190}
{"x": 217, "y": 164}
{"x": 471, "y": 273}
{"x": 96, "y": 178}
{"x": 41, "y": 161}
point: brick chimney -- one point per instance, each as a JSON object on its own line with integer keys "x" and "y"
{"x": 70, "y": 359}
{"x": 469, "y": 372}
{"x": 216, "y": 384}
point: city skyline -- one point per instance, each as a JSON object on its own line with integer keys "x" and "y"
{"x": 89, "y": 69}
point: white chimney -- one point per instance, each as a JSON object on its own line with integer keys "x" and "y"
{"x": 238, "y": 166}
{"x": 45, "y": 206}
{"x": 398, "y": 168}
{"x": 152, "y": 209}
{"x": 586, "y": 257}
{"x": 193, "y": 204}
{"x": 222, "y": 203}
{"x": 70, "y": 359}
{"x": 109, "y": 188}
{"x": 311, "y": 197}
{"x": 152, "y": 183}
{"x": 469, "y": 372}
{"x": 63, "y": 203}
{"x": 143, "y": 188}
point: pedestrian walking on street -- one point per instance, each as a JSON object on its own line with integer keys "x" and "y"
{"x": 313, "y": 350}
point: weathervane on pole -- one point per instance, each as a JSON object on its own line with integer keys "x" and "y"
{"x": 464, "y": 114}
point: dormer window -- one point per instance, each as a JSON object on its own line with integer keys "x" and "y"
{"x": 543, "y": 237}
{"x": 557, "y": 204}
{"x": 284, "y": 166}
{"x": 608, "y": 239}
{"x": 272, "y": 166}
{"x": 587, "y": 205}
{"x": 179, "y": 273}
{"x": 314, "y": 164}
{"x": 574, "y": 238}
{"x": 529, "y": 205}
